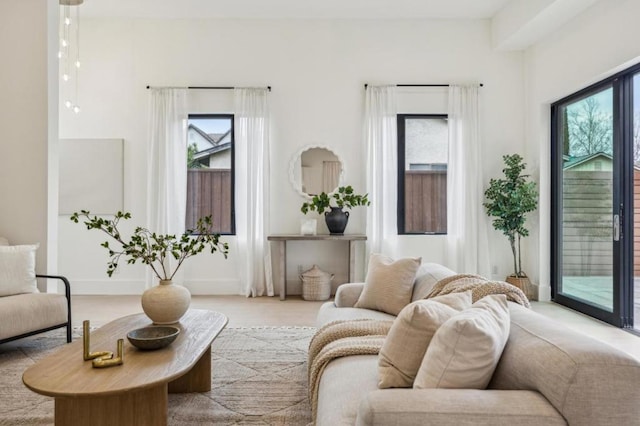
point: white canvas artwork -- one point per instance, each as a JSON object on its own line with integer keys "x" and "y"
{"x": 91, "y": 175}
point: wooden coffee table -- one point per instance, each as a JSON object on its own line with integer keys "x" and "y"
{"x": 134, "y": 393}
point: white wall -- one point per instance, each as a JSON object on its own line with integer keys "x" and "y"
{"x": 25, "y": 114}
{"x": 317, "y": 69}
{"x": 594, "y": 45}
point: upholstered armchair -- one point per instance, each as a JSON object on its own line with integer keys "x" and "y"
{"x": 24, "y": 310}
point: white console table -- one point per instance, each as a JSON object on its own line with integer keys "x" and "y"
{"x": 281, "y": 241}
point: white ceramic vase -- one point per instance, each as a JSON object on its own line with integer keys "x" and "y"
{"x": 166, "y": 303}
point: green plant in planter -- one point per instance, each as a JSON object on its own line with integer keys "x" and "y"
{"x": 509, "y": 200}
{"x": 151, "y": 248}
{"x": 335, "y": 218}
{"x": 342, "y": 198}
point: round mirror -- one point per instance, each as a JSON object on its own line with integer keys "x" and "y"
{"x": 315, "y": 169}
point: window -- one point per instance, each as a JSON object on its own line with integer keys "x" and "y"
{"x": 210, "y": 171}
{"x": 423, "y": 142}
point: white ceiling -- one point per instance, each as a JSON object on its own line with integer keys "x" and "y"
{"x": 515, "y": 24}
{"x": 279, "y": 9}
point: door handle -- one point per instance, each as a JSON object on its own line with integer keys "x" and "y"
{"x": 616, "y": 227}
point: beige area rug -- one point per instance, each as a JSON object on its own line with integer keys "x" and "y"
{"x": 259, "y": 377}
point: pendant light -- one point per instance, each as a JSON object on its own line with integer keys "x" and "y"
{"x": 69, "y": 52}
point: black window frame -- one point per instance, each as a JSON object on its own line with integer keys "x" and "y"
{"x": 622, "y": 314}
{"x": 231, "y": 117}
{"x": 401, "y": 131}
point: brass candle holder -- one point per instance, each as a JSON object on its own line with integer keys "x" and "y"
{"x": 110, "y": 362}
{"x": 101, "y": 359}
{"x": 86, "y": 344}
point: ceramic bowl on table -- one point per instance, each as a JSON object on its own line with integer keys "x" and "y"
{"x": 151, "y": 338}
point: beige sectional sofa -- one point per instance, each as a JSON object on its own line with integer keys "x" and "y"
{"x": 547, "y": 375}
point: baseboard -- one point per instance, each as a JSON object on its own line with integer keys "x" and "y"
{"x": 544, "y": 293}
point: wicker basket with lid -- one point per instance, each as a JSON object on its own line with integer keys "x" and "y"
{"x": 316, "y": 284}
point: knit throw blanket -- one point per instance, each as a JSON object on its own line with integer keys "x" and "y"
{"x": 479, "y": 286}
{"x": 342, "y": 338}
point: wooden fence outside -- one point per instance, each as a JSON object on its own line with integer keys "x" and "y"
{"x": 587, "y": 207}
{"x": 425, "y": 195}
{"x": 587, "y": 223}
{"x": 209, "y": 193}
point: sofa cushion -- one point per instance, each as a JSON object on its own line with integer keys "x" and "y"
{"x": 24, "y": 313}
{"x": 389, "y": 284}
{"x": 344, "y": 382}
{"x": 456, "y": 407}
{"x": 329, "y": 312}
{"x": 410, "y": 335}
{"x": 427, "y": 277}
{"x": 18, "y": 269}
{"x": 465, "y": 350}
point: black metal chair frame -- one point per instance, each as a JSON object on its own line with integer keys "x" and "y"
{"x": 67, "y": 293}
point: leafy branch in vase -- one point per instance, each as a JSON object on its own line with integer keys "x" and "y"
{"x": 151, "y": 248}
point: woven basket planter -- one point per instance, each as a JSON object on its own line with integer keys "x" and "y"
{"x": 316, "y": 284}
{"x": 524, "y": 284}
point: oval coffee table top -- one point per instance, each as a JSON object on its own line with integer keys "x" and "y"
{"x": 65, "y": 373}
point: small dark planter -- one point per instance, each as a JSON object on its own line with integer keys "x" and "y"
{"x": 336, "y": 220}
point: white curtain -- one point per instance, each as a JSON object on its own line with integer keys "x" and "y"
{"x": 330, "y": 175}
{"x": 467, "y": 245}
{"x": 167, "y": 164}
{"x": 380, "y": 136}
{"x": 252, "y": 190}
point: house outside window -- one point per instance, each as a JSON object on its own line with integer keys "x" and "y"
{"x": 210, "y": 171}
{"x": 423, "y": 148}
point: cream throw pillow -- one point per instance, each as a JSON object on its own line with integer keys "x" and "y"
{"x": 389, "y": 284}
{"x": 410, "y": 335}
{"x": 465, "y": 350}
{"x": 427, "y": 277}
{"x": 18, "y": 269}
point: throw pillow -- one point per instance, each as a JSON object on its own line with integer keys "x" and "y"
{"x": 465, "y": 350}
{"x": 410, "y": 335}
{"x": 389, "y": 284}
{"x": 427, "y": 277}
{"x": 4, "y": 241}
{"x": 18, "y": 269}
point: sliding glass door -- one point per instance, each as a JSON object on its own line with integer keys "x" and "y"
{"x": 633, "y": 292}
{"x": 595, "y": 164}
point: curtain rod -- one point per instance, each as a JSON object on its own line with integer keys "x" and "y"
{"x": 420, "y": 85}
{"x": 198, "y": 87}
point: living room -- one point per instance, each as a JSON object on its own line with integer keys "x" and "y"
{"x": 316, "y": 60}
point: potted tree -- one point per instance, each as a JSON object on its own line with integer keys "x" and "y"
{"x": 165, "y": 303}
{"x": 334, "y": 216}
{"x": 509, "y": 199}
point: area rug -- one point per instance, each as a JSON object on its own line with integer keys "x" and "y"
{"x": 258, "y": 378}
